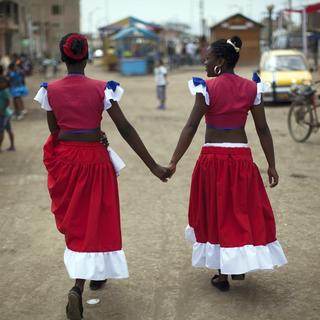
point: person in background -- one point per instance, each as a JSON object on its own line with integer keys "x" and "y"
{"x": 5, "y": 61}
{"x": 17, "y": 89}
{"x": 191, "y": 50}
{"x": 171, "y": 51}
{"x": 203, "y": 45}
{"x": 160, "y": 73}
{"x": 5, "y": 112}
{"x": 26, "y": 65}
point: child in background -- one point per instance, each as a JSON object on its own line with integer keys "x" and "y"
{"x": 160, "y": 73}
{"x": 17, "y": 89}
{"x": 5, "y": 112}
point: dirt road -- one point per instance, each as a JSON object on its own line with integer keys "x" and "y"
{"x": 162, "y": 283}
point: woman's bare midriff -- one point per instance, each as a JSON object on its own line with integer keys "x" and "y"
{"x": 221, "y": 136}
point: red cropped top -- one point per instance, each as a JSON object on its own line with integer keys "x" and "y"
{"x": 77, "y": 102}
{"x": 231, "y": 97}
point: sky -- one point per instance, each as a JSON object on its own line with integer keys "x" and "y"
{"x": 97, "y": 13}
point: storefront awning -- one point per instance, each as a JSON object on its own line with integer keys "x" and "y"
{"x": 134, "y": 32}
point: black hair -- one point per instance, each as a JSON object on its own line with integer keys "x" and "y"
{"x": 11, "y": 66}
{"x": 77, "y": 47}
{"x": 1, "y": 69}
{"x": 3, "y": 79}
{"x": 222, "y": 49}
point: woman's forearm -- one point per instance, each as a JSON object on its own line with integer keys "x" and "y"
{"x": 267, "y": 146}
{"x": 52, "y": 122}
{"x": 132, "y": 138}
{"x": 184, "y": 142}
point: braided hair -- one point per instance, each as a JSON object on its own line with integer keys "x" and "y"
{"x": 73, "y": 48}
{"x": 227, "y": 49}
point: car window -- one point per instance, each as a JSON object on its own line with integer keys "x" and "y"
{"x": 283, "y": 63}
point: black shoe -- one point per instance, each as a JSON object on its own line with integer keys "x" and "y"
{"x": 221, "y": 285}
{"x": 97, "y": 284}
{"x": 74, "y": 307}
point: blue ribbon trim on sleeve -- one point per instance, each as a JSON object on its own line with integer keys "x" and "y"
{"x": 199, "y": 81}
{"x": 112, "y": 85}
{"x": 256, "y": 78}
{"x": 44, "y": 85}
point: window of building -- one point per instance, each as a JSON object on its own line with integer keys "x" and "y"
{"x": 9, "y": 9}
{"x": 15, "y": 13}
{"x": 56, "y": 9}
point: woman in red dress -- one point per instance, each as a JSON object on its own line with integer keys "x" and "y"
{"x": 231, "y": 223}
{"x": 82, "y": 172}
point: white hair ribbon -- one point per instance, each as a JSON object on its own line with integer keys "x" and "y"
{"x": 235, "y": 47}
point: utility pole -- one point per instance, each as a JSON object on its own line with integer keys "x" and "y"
{"x": 270, "y": 10}
{"x": 202, "y": 20}
{"x": 289, "y": 26}
{"x": 304, "y": 32}
{"x": 289, "y": 18}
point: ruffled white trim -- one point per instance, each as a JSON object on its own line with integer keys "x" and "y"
{"x": 96, "y": 265}
{"x": 109, "y": 94}
{"x": 227, "y": 145}
{"x": 261, "y": 88}
{"x": 199, "y": 89}
{"x": 117, "y": 162}
{"x": 235, "y": 260}
{"x": 42, "y": 98}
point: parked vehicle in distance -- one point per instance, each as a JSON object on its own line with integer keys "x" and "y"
{"x": 281, "y": 69}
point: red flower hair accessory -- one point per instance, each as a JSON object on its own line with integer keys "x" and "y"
{"x": 76, "y": 47}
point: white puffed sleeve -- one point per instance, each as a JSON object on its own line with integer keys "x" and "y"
{"x": 113, "y": 91}
{"x": 198, "y": 85}
{"x": 42, "y": 97}
{"x": 261, "y": 88}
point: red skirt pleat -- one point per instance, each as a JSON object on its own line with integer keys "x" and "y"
{"x": 83, "y": 188}
{"x": 229, "y": 205}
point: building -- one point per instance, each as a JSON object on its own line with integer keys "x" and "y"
{"x": 50, "y": 21}
{"x": 36, "y": 26}
{"x": 249, "y": 32}
{"x": 12, "y": 24}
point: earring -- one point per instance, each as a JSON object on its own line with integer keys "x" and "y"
{"x": 217, "y": 70}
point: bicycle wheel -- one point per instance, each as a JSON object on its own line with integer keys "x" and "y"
{"x": 300, "y": 120}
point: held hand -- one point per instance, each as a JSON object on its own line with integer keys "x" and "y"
{"x": 172, "y": 168}
{"x": 273, "y": 177}
{"x": 162, "y": 173}
{"x": 104, "y": 139}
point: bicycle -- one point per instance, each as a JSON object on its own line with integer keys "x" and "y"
{"x": 302, "y": 117}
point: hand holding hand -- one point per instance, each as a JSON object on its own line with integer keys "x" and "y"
{"x": 104, "y": 139}
{"x": 273, "y": 177}
{"x": 162, "y": 173}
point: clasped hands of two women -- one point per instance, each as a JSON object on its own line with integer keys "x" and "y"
{"x": 164, "y": 173}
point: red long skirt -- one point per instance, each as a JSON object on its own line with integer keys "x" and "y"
{"x": 231, "y": 221}
{"x": 83, "y": 188}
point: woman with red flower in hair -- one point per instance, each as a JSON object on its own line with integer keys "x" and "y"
{"x": 82, "y": 172}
